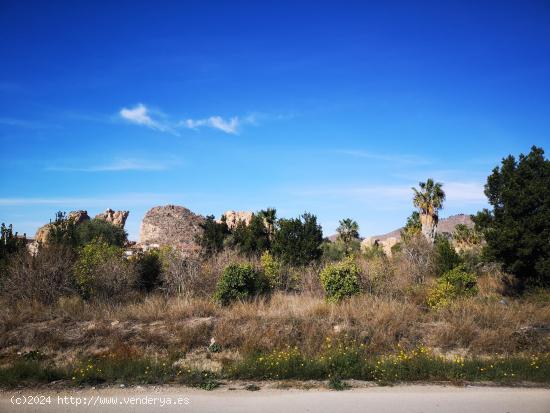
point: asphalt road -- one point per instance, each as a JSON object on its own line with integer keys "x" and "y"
{"x": 398, "y": 399}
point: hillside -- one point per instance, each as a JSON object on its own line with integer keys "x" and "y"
{"x": 445, "y": 225}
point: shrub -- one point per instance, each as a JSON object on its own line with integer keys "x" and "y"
{"x": 102, "y": 271}
{"x": 453, "y": 284}
{"x": 417, "y": 258}
{"x": 272, "y": 270}
{"x": 341, "y": 280}
{"x": 446, "y": 257}
{"x": 149, "y": 268}
{"x": 43, "y": 277}
{"x": 298, "y": 241}
{"x": 184, "y": 275}
{"x": 238, "y": 282}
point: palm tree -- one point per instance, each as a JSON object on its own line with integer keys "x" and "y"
{"x": 429, "y": 200}
{"x": 269, "y": 216}
{"x": 348, "y": 231}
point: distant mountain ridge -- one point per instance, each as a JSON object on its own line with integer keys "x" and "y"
{"x": 446, "y": 225}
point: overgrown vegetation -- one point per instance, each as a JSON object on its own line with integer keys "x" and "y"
{"x": 338, "y": 361}
{"x": 273, "y": 300}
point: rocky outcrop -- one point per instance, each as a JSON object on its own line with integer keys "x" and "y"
{"x": 386, "y": 244}
{"x": 43, "y": 233}
{"x": 232, "y": 218}
{"x": 117, "y": 218}
{"x": 78, "y": 217}
{"x": 171, "y": 225}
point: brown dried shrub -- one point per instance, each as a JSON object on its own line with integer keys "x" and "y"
{"x": 43, "y": 277}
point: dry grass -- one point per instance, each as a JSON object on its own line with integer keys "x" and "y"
{"x": 167, "y": 325}
{"x": 391, "y": 311}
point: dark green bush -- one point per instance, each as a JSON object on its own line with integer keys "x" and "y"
{"x": 446, "y": 257}
{"x": 341, "y": 280}
{"x": 239, "y": 282}
{"x": 298, "y": 241}
{"x": 149, "y": 268}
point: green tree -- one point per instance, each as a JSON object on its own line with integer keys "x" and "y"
{"x": 251, "y": 239}
{"x": 63, "y": 231}
{"x": 10, "y": 243}
{"x": 517, "y": 228}
{"x": 213, "y": 235}
{"x": 429, "y": 200}
{"x": 97, "y": 228}
{"x": 348, "y": 233}
{"x": 446, "y": 257}
{"x": 412, "y": 227}
{"x": 466, "y": 237}
{"x": 298, "y": 241}
{"x": 66, "y": 231}
{"x": 269, "y": 216}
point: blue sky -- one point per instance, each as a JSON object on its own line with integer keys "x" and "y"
{"x": 336, "y": 108}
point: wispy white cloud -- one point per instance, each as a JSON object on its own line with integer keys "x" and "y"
{"x": 230, "y": 126}
{"x": 141, "y": 115}
{"x": 119, "y": 165}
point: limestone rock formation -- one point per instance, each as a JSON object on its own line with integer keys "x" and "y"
{"x": 171, "y": 225}
{"x": 117, "y": 218}
{"x": 43, "y": 233}
{"x": 232, "y": 218}
{"x": 78, "y": 217}
{"x": 386, "y": 243}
